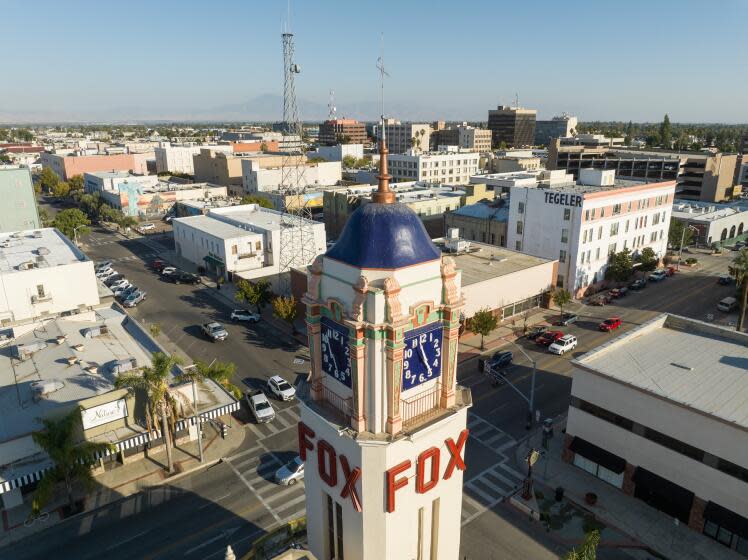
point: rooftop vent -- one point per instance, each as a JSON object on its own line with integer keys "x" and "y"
{"x": 42, "y": 251}
{"x": 681, "y": 366}
{"x": 23, "y": 351}
{"x": 28, "y": 265}
{"x": 38, "y": 234}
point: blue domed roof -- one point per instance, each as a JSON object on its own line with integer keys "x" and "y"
{"x": 384, "y": 236}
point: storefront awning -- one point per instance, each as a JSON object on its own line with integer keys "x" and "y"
{"x": 214, "y": 261}
{"x": 663, "y": 487}
{"x": 210, "y": 414}
{"x": 727, "y": 519}
{"x": 597, "y": 454}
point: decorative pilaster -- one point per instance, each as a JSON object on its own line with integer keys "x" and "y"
{"x": 394, "y": 369}
{"x": 358, "y": 379}
{"x": 314, "y": 329}
{"x": 452, "y": 304}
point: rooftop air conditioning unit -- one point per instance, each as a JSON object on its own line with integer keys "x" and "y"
{"x": 42, "y": 251}
{"x": 38, "y": 234}
{"x": 23, "y": 351}
{"x": 41, "y": 389}
{"x": 28, "y": 265}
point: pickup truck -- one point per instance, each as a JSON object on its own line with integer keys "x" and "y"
{"x": 261, "y": 408}
{"x": 214, "y": 331}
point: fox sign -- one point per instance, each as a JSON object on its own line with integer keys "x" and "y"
{"x": 427, "y": 464}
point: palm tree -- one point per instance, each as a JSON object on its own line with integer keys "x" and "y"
{"x": 72, "y": 458}
{"x": 739, "y": 271}
{"x": 154, "y": 381}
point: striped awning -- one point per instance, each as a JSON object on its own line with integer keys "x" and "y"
{"x": 210, "y": 414}
{"x": 23, "y": 480}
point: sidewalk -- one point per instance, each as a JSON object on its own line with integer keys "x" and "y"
{"x": 625, "y": 514}
{"x": 119, "y": 483}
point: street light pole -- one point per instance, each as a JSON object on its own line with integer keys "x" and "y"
{"x": 531, "y": 399}
{"x": 75, "y": 234}
{"x": 682, "y": 238}
{"x": 197, "y": 419}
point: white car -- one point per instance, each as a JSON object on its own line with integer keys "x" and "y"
{"x": 120, "y": 284}
{"x": 281, "y": 388}
{"x": 168, "y": 270}
{"x": 291, "y": 472}
{"x": 563, "y": 344}
{"x": 260, "y": 406}
{"x": 146, "y": 227}
{"x": 106, "y": 273}
{"x": 244, "y": 315}
{"x": 134, "y": 299}
{"x": 119, "y": 290}
{"x": 103, "y": 265}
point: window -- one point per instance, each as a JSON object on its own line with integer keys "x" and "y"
{"x": 629, "y": 209}
{"x": 611, "y": 248}
{"x": 564, "y": 235}
{"x": 616, "y": 209}
{"x": 40, "y": 290}
{"x": 330, "y": 527}
{"x": 602, "y": 212}
{"x": 562, "y": 256}
{"x": 593, "y": 213}
{"x": 339, "y": 523}
{"x": 234, "y": 249}
{"x": 614, "y": 229}
{"x": 520, "y": 228}
{"x": 518, "y": 245}
{"x": 626, "y": 227}
{"x": 567, "y": 214}
{"x": 587, "y": 215}
{"x": 588, "y": 257}
{"x": 655, "y": 219}
{"x": 597, "y": 254}
{"x": 600, "y": 232}
{"x": 653, "y": 237}
{"x": 521, "y": 208}
{"x": 584, "y": 237}
{"x": 560, "y": 281}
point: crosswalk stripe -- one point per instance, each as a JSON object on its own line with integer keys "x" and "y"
{"x": 292, "y": 504}
{"x": 504, "y": 479}
{"x": 485, "y": 481}
{"x": 507, "y": 445}
{"x": 484, "y": 429}
{"x": 284, "y": 492}
{"x": 494, "y": 439}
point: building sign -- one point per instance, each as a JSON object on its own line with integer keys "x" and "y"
{"x": 563, "y": 199}
{"x": 427, "y": 476}
{"x": 103, "y": 414}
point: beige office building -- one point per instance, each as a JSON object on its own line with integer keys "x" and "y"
{"x": 401, "y": 136}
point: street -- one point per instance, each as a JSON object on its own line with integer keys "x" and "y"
{"x": 237, "y": 500}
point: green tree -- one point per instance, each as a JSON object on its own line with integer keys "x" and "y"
{"x": 48, "y": 179}
{"x": 349, "y": 162}
{"x": 666, "y": 132}
{"x": 316, "y": 159}
{"x": 629, "y": 134}
{"x": 647, "y": 259}
{"x": 620, "y": 266}
{"x": 44, "y": 217}
{"x": 61, "y": 189}
{"x": 153, "y": 381}
{"x": 561, "y": 297}
{"x": 285, "y": 308}
{"x": 71, "y": 221}
{"x": 588, "y": 550}
{"x": 72, "y": 458}
{"x": 483, "y": 322}
{"x": 263, "y": 201}
{"x": 739, "y": 271}
{"x": 76, "y": 183}
{"x": 254, "y": 293}
{"x": 676, "y": 230}
{"x": 220, "y": 372}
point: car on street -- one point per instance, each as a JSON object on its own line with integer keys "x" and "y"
{"x": 281, "y": 388}
{"x": 158, "y": 265}
{"x": 142, "y": 228}
{"x": 124, "y": 294}
{"x": 106, "y": 273}
{"x": 119, "y": 290}
{"x": 535, "y": 332}
{"x": 183, "y": 277}
{"x": 291, "y": 472}
{"x": 610, "y": 324}
{"x": 134, "y": 298}
{"x": 244, "y": 315}
{"x": 113, "y": 279}
{"x": 260, "y": 406}
{"x": 637, "y": 285}
{"x": 566, "y": 319}
{"x": 103, "y": 265}
{"x": 563, "y": 344}
{"x": 727, "y": 304}
{"x": 548, "y": 338}
{"x": 724, "y": 280}
{"x": 214, "y": 331}
{"x": 670, "y": 271}
{"x": 657, "y": 276}
{"x": 120, "y": 283}
{"x": 168, "y": 270}
{"x": 616, "y": 293}
{"x": 501, "y": 359}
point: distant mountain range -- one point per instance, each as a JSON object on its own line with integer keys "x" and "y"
{"x": 266, "y": 107}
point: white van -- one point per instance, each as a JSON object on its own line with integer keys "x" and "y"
{"x": 728, "y": 304}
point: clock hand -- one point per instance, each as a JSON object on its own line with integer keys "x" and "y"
{"x": 425, "y": 360}
{"x": 334, "y": 361}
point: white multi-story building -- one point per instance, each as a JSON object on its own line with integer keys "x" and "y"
{"x": 110, "y": 181}
{"x": 338, "y": 152}
{"x": 503, "y": 182}
{"x": 238, "y": 241}
{"x": 402, "y": 137}
{"x": 712, "y": 222}
{"x": 581, "y": 224}
{"x": 258, "y": 177}
{"x": 474, "y": 139}
{"x": 178, "y": 159}
{"x": 661, "y": 413}
{"x": 434, "y": 167}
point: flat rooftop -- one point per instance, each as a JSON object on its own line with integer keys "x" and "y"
{"x": 253, "y": 215}
{"x": 484, "y": 211}
{"x": 45, "y": 247}
{"x": 111, "y": 174}
{"x": 696, "y": 364}
{"x": 214, "y": 227}
{"x": 483, "y": 261}
{"x": 706, "y": 211}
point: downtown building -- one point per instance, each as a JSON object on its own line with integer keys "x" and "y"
{"x": 557, "y": 127}
{"x": 660, "y": 413}
{"x": 342, "y": 131}
{"x": 402, "y": 137}
{"x": 18, "y": 209}
{"x": 582, "y": 223}
{"x": 179, "y": 159}
{"x": 513, "y": 126}
{"x": 69, "y": 166}
{"x": 434, "y": 167}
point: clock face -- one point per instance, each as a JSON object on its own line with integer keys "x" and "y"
{"x": 336, "y": 354}
{"x": 422, "y": 355}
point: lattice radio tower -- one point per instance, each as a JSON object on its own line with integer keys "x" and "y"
{"x": 297, "y": 244}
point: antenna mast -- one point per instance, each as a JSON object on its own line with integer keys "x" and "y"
{"x": 297, "y": 244}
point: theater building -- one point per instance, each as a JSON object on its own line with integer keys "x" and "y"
{"x": 383, "y": 422}
{"x": 661, "y": 413}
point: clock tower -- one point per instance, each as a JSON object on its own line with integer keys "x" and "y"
{"x": 383, "y": 422}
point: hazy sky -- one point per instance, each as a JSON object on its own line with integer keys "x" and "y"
{"x": 599, "y": 59}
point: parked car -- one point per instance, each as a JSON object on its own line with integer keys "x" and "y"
{"x": 291, "y": 472}
{"x": 244, "y": 315}
{"x": 113, "y": 279}
{"x": 600, "y": 300}
{"x": 657, "y": 276}
{"x": 535, "y": 332}
{"x": 727, "y": 304}
{"x": 127, "y": 292}
{"x": 168, "y": 270}
{"x": 501, "y": 359}
{"x": 106, "y": 273}
{"x": 119, "y": 290}
{"x": 134, "y": 298}
{"x": 158, "y": 265}
{"x": 670, "y": 271}
{"x": 103, "y": 265}
{"x": 548, "y": 338}
{"x": 281, "y": 388}
{"x": 215, "y": 331}
{"x": 260, "y": 406}
{"x": 142, "y": 228}
{"x": 724, "y": 280}
{"x": 566, "y": 319}
{"x": 121, "y": 283}
{"x": 616, "y": 293}
{"x": 563, "y": 344}
{"x": 610, "y": 324}
{"x": 183, "y": 277}
{"x": 637, "y": 285}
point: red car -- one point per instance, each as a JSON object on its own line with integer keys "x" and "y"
{"x": 158, "y": 265}
{"x": 669, "y": 271}
{"x": 610, "y": 324}
{"x": 548, "y": 338}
